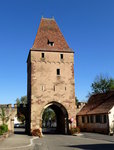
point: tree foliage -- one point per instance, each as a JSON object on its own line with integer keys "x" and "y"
{"x": 21, "y": 117}
{"x": 18, "y": 102}
{"x": 3, "y": 128}
{"x": 102, "y": 84}
{"x": 22, "y": 100}
{"x": 3, "y": 116}
{"x": 48, "y": 113}
{"x": 76, "y": 100}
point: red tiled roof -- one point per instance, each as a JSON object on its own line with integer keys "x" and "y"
{"x": 49, "y": 31}
{"x": 98, "y": 104}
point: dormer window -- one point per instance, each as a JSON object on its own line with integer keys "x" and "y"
{"x": 50, "y": 43}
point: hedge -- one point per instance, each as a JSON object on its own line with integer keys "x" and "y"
{"x": 3, "y": 129}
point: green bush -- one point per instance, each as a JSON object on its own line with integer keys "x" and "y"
{"x": 1, "y": 132}
{"x": 3, "y": 129}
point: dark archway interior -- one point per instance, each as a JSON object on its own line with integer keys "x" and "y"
{"x": 60, "y": 124}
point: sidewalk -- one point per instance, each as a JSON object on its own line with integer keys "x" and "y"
{"x": 16, "y": 141}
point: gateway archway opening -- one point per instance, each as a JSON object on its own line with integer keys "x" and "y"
{"x": 55, "y": 119}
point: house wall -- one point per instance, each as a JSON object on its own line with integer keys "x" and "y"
{"x": 93, "y": 127}
{"x": 111, "y": 121}
{"x": 45, "y": 86}
{"x": 79, "y": 106}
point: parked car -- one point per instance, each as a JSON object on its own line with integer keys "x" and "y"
{"x": 17, "y": 125}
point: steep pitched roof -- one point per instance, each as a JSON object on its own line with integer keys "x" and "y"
{"x": 49, "y": 37}
{"x": 98, "y": 104}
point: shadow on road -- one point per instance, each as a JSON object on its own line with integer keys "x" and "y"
{"x": 94, "y": 146}
{"x": 19, "y": 131}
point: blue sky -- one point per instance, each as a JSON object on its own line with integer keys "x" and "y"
{"x": 87, "y": 25}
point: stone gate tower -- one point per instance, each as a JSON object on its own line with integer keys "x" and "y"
{"x": 50, "y": 68}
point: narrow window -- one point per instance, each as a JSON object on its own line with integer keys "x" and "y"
{"x": 43, "y": 55}
{"x": 105, "y": 119}
{"x": 83, "y": 119}
{"x": 54, "y": 87}
{"x": 42, "y": 88}
{"x": 87, "y": 119}
{"x": 98, "y": 119}
{"x": 65, "y": 88}
{"x": 61, "y": 56}
{"x": 58, "y": 71}
{"x": 91, "y": 118}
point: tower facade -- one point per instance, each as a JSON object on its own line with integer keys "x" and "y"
{"x": 50, "y": 70}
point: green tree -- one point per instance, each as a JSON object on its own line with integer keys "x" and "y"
{"x": 3, "y": 116}
{"x": 18, "y": 102}
{"x": 76, "y": 100}
{"x": 21, "y": 117}
{"x": 22, "y": 100}
{"x": 112, "y": 84}
{"x": 48, "y": 113}
{"x": 102, "y": 84}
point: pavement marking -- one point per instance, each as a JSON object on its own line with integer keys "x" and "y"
{"x": 31, "y": 143}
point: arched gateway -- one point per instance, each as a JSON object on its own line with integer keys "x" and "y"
{"x": 50, "y": 68}
{"x": 61, "y": 116}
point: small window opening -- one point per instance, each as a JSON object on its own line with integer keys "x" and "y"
{"x": 98, "y": 118}
{"x": 58, "y": 71}
{"x": 50, "y": 43}
{"x": 91, "y": 119}
{"x": 65, "y": 88}
{"x": 83, "y": 119}
{"x": 54, "y": 87}
{"x": 88, "y": 119}
{"x": 43, "y": 55}
{"x": 105, "y": 119}
{"x": 61, "y": 56}
{"x": 42, "y": 88}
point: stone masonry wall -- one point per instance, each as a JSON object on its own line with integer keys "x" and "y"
{"x": 47, "y": 86}
{"x": 9, "y": 112}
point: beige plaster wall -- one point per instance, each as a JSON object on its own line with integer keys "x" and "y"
{"x": 111, "y": 120}
{"x": 92, "y": 127}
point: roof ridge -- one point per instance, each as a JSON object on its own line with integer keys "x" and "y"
{"x": 48, "y": 18}
{"x": 110, "y": 91}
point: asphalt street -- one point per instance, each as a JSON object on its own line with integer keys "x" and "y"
{"x": 65, "y": 142}
{"x": 84, "y": 141}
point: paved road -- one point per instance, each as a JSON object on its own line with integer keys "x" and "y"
{"x": 65, "y": 142}
{"x": 87, "y": 141}
{"x": 98, "y": 136}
